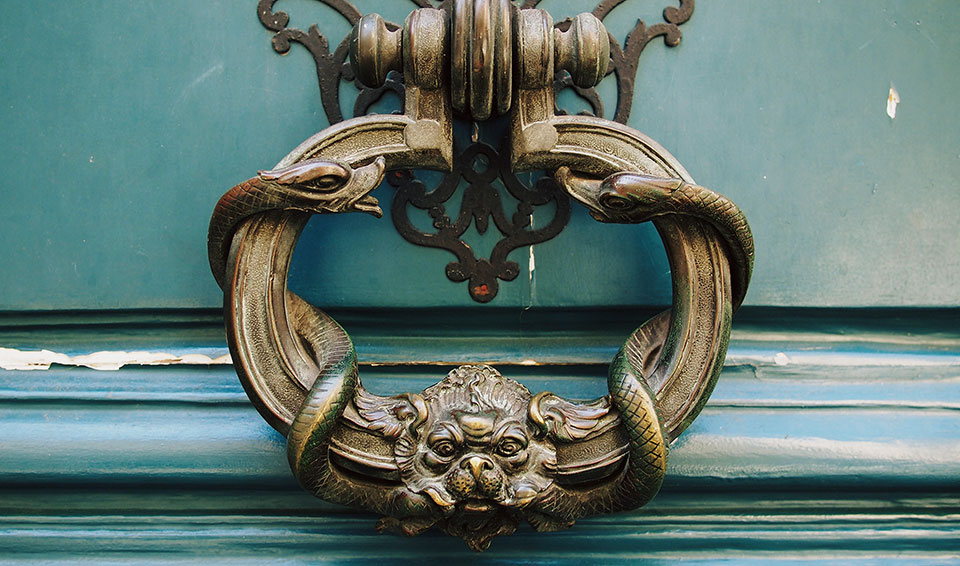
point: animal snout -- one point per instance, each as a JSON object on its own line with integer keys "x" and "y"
{"x": 477, "y": 465}
{"x": 476, "y": 476}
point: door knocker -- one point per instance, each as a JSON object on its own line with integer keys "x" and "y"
{"x": 477, "y": 453}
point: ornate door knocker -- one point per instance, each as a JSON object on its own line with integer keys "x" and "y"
{"x": 477, "y": 453}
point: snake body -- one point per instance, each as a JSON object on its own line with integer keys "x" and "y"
{"x": 648, "y": 447}
{"x": 315, "y": 185}
{"x": 635, "y": 198}
{"x": 632, "y": 198}
{"x": 333, "y": 388}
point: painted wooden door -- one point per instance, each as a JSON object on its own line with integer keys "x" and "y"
{"x": 833, "y": 432}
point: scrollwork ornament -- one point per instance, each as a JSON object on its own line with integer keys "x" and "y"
{"x": 480, "y": 165}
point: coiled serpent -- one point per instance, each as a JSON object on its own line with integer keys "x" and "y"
{"x": 319, "y": 186}
{"x": 632, "y": 198}
{"x": 315, "y": 186}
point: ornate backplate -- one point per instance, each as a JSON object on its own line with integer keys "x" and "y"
{"x": 482, "y": 198}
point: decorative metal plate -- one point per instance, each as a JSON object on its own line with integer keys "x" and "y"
{"x": 482, "y": 197}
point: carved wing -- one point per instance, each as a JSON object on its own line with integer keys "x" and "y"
{"x": 370, "y": 426}
{"x": 591, "y": 444}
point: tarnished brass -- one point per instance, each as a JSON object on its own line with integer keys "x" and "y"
{"x": 476, "y": 454}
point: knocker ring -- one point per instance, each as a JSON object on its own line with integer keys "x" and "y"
{"x": 477, "y": 453}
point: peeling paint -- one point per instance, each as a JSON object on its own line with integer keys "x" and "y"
{"x": 13, "y": 359}
{"x": 830, "y": 340}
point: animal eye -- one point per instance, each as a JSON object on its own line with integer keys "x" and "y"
{"x": 615, "y": 202}
{"x": 444, "y": 449}
{"x": 326, "y": 182}
{"x": 509, "y": 448}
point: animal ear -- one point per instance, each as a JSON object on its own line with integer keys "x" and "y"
{"x": 571, "y": 422}
{"x": 387, "y": 416}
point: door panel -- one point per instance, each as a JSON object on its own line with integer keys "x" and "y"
{"x": 126, "y": 126}
{"x": 833, "y": 432}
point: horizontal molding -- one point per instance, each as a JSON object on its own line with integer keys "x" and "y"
{"x": 758, "y": 385}
{"x": 793, "y": 406}
{"x": 831, "y": 435}
{"x": 800, "y": 448}
{"x": 513, "y": 337}
{"x": 238, "y": 527}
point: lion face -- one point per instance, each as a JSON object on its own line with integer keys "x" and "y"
{"x": 476, "y": 453}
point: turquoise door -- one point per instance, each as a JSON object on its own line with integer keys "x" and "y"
{"x": 833, "y": 433}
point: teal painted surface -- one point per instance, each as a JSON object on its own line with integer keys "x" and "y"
{"x": 858, "y": 400}
{"x": 832, "y": 434}
{"x": 125, "y": 124}
{"x": 230, "y": 526}
{"x": 849, "y": 452}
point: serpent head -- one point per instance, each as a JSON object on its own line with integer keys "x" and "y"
{"x": 623, "y": 197}
{"x": 323, "y": 185}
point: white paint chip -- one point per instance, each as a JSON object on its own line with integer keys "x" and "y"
{"x": 13, "y": 359}
{"x": 532, "y": 272}
{"x": 893, "y": 98}
{"x": 842, "y": 359}
{"x": 781, "y": 359}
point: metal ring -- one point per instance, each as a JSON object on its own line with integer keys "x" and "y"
{"x": 259, "y": 303}
{"x": 575, "y": 459}
{"x": 300, "y": 370}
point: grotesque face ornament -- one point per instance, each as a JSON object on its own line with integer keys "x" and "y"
{"x": 476, "y": 455}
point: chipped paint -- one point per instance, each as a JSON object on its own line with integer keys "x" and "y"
{"x": 831, "y": 339}
{"x": 13, "y": 359}
{"x": 893, "y": 98}
{"x": 737, "y": 357}
{"x": 532, "y": 271}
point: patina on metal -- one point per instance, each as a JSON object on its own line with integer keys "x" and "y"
{"x": 477, "y": 453}
{"x": 475, "y": 95}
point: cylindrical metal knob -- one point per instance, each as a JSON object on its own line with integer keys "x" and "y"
{"x": 375, "y": 50}
{"x": 583, "y": 50}
{"x": 482, "y": 45}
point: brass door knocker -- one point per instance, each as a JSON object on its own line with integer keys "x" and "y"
{"x": 477, "y": 453}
